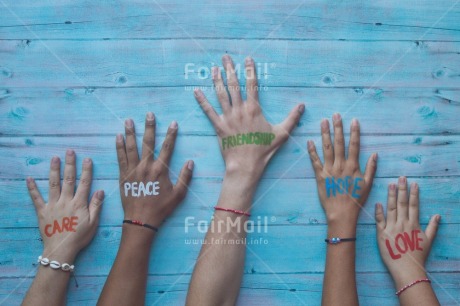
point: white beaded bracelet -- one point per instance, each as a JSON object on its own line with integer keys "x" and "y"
{"x": 55, "y": 264}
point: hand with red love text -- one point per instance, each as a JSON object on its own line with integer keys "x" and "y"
{"x": 67, "y": 223}
{"x": 403, "y": 245}
{"x": 147, "y": 193}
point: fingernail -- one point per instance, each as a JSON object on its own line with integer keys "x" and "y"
{"x": 402, "y": 180}
{"x": 226, "y": 58}
{"x": 129, "y": 123}
{"x": 248, "y": 61}
{"x": 55, "y": 160}
{"x": 197, "y": 92}
{"x": 301, "y": 108}
{"x": 119, "y": 138}
{"x": 173, "y": 125}
{"x": 87, "y": 161}
{"x": 324, "y": 123}
{"x": 438, "y": 218}
{"x": 354, "y": 122}
{"x": 336, "y": 117}
{"x": 392, "y": 186}
{"x": 29, "y": 180}
{"x": 377, "y": 205}
{"x": 150, "y": 116}
{"x": 310, "y": 143}
{"x": 70, "y": 152}
{"x": 375, "y": 156}
{"x": 414, "y": 186}
{"x": 190, "y": 165}
{"x": 100, "y": 194}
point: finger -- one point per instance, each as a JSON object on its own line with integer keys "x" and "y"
{"x": 371, "y": 168}
{"x": 207, "y": 108}
{"x": 55, "y": 180}
{"x": 291, "y": 121}
{"x": 95, "y": 206}
{"x": 68, "y": 185}
{"x": 252, "y": 90}
{"x": 131, "y": 146}
{"x": 413, "y": 203}
{"x": 391, "y": 205}
{"x": 353, "y": 147}
{"x": 222, "y": 94}
{"x": 148, "y": 142}
{"x": 328, "y": 149}
{"x": 339, "y": 141}
{"x": 121, "y": 155}
{"x": 232, "y": 81}
{"x": 84, "y": 186}
{"x": 183, "y": 181}
{"x": 379, "y": 217}
{"x": 168, "y": 144}
{"x": 35, "y": 195}
{"x": 432, "y": 228}
{"x": 402, "y": 202}
{"x": 315, "y": 161}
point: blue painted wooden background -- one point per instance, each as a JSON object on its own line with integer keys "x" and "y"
{"x": 71, "y": 71}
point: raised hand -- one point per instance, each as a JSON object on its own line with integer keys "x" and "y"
{"x": 403, "y": 245}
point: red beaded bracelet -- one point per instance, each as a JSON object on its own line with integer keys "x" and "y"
{"x": 238, "y": 212}
{"x": 136, "y": 222}
{"x": 411, "y": 284}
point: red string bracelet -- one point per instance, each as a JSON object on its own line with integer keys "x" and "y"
{"x": 139, "y": 223}
{"x": 238, "y": 212}
{"x": 411, "y": 284}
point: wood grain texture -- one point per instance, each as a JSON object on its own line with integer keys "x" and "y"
{"x": 72, "y": 71}
{"x": 282, "y": 289}
{"x": 123, "y": 63}
{"x": 302, "y": 207}
{"x": 398, "y": 155}
{"x": 359, "y": 20}
{"x": 96, "y": 111}
{"x": 268, "y": 251}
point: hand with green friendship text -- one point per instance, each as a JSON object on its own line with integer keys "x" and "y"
{"x": 148, "y": 198}
{"x": 67, "y": 224}
{"x": 403, "y": 245}
{"x": 247, "y": 142}
{"x": 343, "y": 189}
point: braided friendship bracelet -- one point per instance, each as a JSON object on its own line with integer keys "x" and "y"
{"x": 411, "y": 284}
{"x": 336, "y": 240}
{"x": 238, "y": 212}
{"x": 55, "y": 265}
{"x": 139, "y": 223}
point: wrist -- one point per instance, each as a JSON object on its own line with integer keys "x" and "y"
{"x": 341, "y": 229}
{"x": 402, "y": 279}
{"x": 62, "y": 255}
{"x": 137, "y": 235}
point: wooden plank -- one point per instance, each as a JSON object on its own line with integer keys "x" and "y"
{"x": 399, "y": 155}
{"x": 180, "y": 63}
{"x": 96, "y": 111}
{"x": 256, "y": 289}
{"x": 277, "y": 202}
{"x": 279, "y": 249}
{"x": 376, "y": 20}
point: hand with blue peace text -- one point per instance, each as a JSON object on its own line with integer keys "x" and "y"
{"x": 342, "y": 187}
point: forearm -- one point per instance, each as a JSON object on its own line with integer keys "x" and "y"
{"x": 126, "y": 283}
{"x": 219, "y": 269}
{"x": 52, "y": 282}
{"x": 339, "y": 287}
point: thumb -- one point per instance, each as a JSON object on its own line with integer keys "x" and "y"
{"x": 184, "y": 179}
{"x": 95, "y": 206}
{"x": 292, "y": 119}
{"x": 432, "y": 228}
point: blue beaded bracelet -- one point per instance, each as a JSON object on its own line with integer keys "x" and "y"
{"x": 336, "y": 240}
